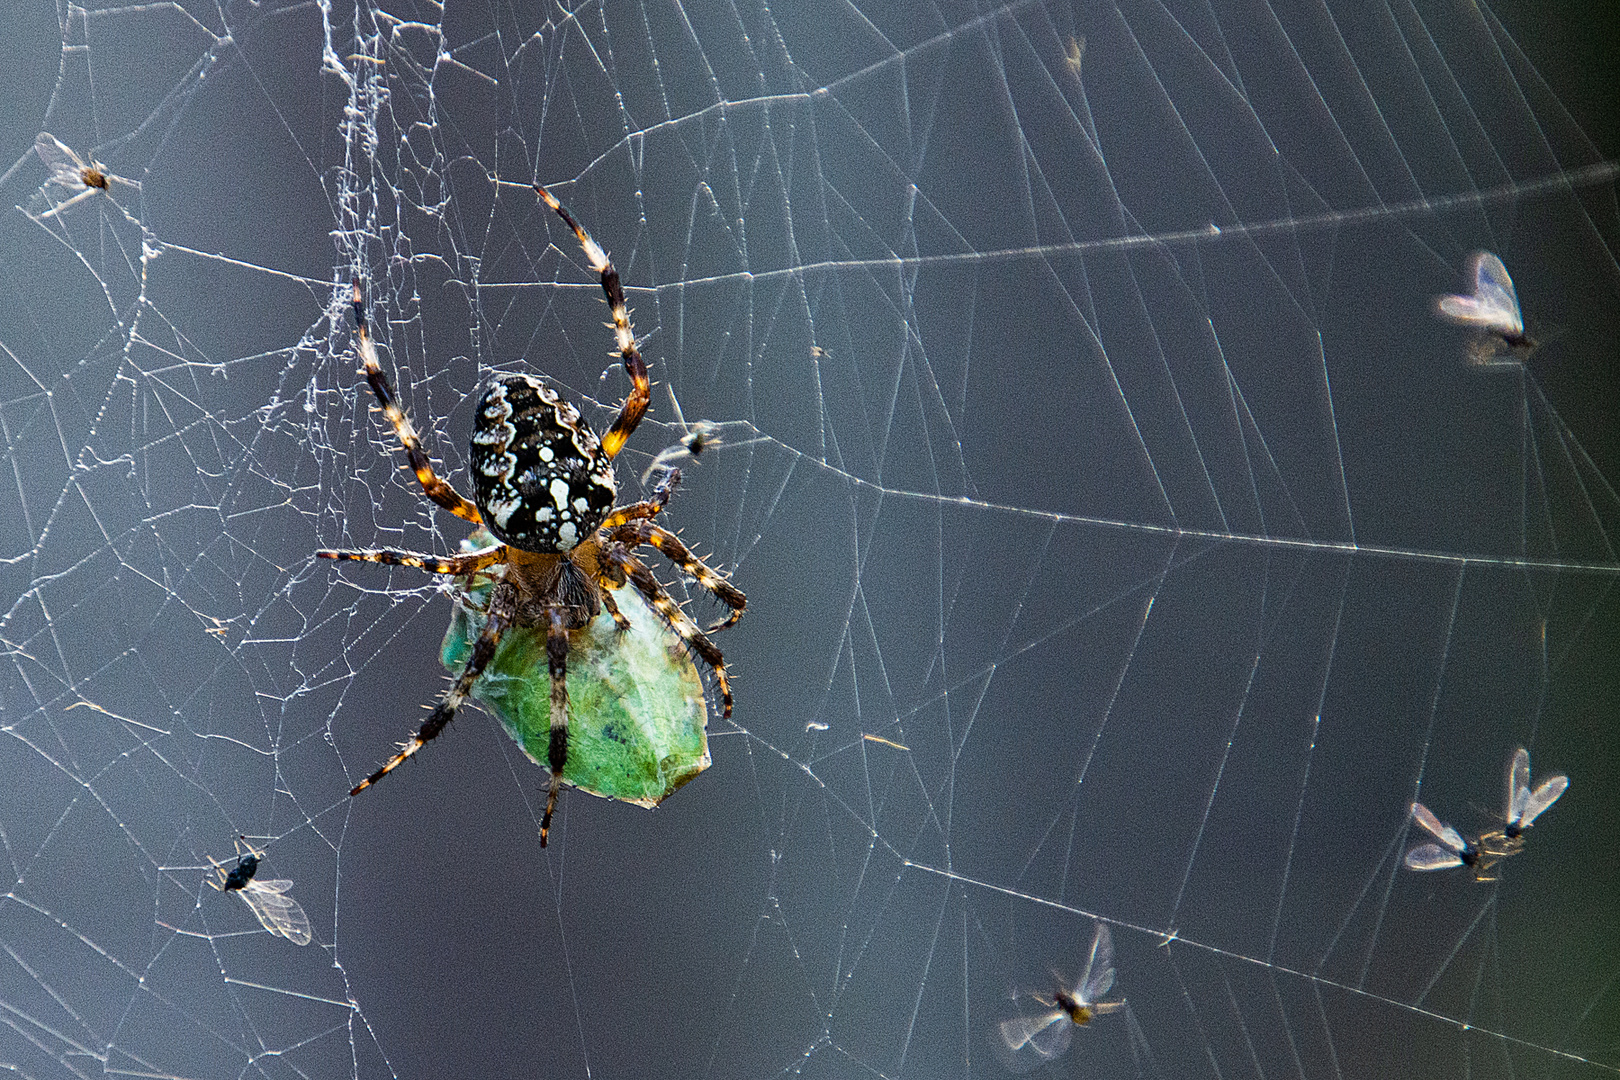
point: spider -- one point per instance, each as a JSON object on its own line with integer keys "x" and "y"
{"x": 544, "y": 487}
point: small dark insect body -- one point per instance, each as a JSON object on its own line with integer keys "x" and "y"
{"x": 241, "y": 873}
{"x": 1078, "y": 1011}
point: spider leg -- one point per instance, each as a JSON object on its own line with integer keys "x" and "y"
{"x": 645, "y": 532}
{"x": 632, "y": 512}
{"x": 434, "y": 564}
{"x": 613, "y": 609}
{"x": 687, "y": 630}
{"x": 502, "y": 609}
{"x": 635, "y": 406}
{"x": 651, "y": 507}
{"x": 434, "y": 486}
{"x": 1496, "y": 844}
{"x": 557, "y": 751}
{"x": 1485, "y": 862}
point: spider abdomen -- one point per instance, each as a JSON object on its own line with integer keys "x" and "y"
{"x": 541, "y": 479}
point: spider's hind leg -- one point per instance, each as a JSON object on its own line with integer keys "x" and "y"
{"x": 502, "y": 609}
{"x": 557, "y": 751}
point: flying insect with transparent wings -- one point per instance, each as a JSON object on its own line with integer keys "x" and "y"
{"x": 268, "y": 900}
{"x": 1523, "y": 805}
{"x": 1493, "y": 307}
{"x": 69, "y": 172}
{"x": 1028, "y": 1041}
{"x": 1452, "y": 850}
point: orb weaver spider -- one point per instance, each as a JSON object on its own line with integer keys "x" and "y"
{"x": 544, "y": 487}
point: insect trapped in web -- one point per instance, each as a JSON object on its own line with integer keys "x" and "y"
{"x": 1027, "y": 1041}
{"x": 268, "y": 900}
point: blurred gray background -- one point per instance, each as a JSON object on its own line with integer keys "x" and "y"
{"x": 1087, "y": 438}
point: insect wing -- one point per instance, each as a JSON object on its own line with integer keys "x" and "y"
{"x": 1495, "y": 290}
{"x": 67, "y": 170}
{"x": 1431, "y": 857}
{"x": 1043, "y": 1033}
{"x": 1052, "y": 1039}
{"x": 1098, "y": 977}
{"x": 1465, "y": 309}
{"x": 1494, "y": 304}
{"x": 1027, "y": 1042}
{"x": 277, "y": 912}
{"x": 1518, "y": 786}
{"x": 1442, "y": 832}
{"x": 1543, "y": 797}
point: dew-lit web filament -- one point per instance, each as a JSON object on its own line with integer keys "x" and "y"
{"x": 1026, "y": 1041}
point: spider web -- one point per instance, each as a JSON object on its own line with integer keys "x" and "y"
{"x": 1124, "y": 538}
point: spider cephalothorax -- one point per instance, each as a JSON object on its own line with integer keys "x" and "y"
{"x": 544, "y": 488}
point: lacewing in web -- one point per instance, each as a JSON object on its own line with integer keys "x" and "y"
{"x": 1493, "y": 306}
{"x": 1523, "y": 805}
{"x": 1028, "y": 1041}
{"x": 1452, "y": 850}
{"x": 268, "y": 900}
{"x": 70, "y": 172}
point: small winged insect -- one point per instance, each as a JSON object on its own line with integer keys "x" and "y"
{"x": 1523, "y": 805}
{"x": 276, "y": 911}
{"x": 69, "y": 171}
{"x": 1027, "y": 1041}
{"x": 1075, "y": 53}
{"x": 1452, "y": 850}
{"x": 1493, "y": 307}
{"x": 704, "y": 434}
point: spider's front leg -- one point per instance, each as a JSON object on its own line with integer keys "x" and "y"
{"x": 434, "y": 486}
{"x": 651, "y": 508}
{"x": 459, "y": 565}
{"x": 635, "y": 533}
{"x": 636, "y": 572}
{"x": 635, "y": 404}
{"x": 502, "y": 610}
